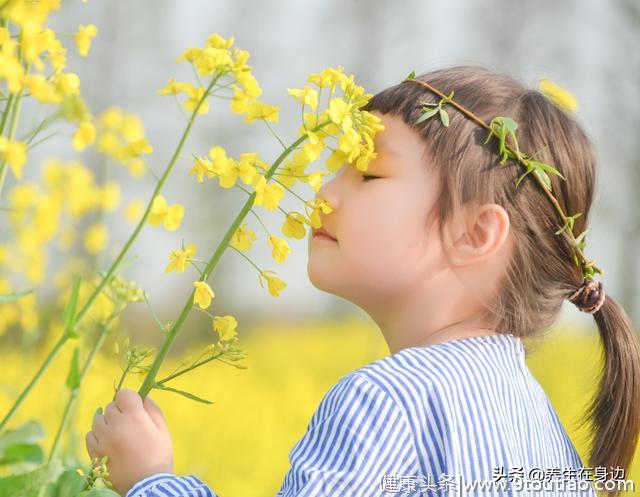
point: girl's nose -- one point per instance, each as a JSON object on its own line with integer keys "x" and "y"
{"x": 330, "y": 190}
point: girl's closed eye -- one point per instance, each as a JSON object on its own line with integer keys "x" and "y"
{"x": 367, "y": 177}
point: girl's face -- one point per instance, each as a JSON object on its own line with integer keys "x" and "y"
{"x": 386, "y": 240}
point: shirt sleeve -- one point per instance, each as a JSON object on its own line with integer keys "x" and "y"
{"x": 170, "y": 485}
{"x": 357, "y": 435}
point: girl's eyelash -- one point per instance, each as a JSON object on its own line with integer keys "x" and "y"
{"x": 366, "y": 177}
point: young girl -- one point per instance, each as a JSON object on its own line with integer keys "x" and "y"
{"x": 457, "y": 267}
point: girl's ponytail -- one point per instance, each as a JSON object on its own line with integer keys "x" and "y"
{"x": 614, "y": 412}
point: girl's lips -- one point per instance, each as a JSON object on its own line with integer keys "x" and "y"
{"x": 321, "y": 232}
{"x": 323, "y": 236}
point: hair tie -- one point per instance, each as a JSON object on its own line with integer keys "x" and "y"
{"x": 589, "y": 297}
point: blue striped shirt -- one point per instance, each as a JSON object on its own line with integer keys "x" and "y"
{"x": 426, "y": 421}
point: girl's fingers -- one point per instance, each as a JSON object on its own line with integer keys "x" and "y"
{"x": 111, "y": 412}
{"x": 91, "y": 442}
{"x": 128, "y": 400}
{"x": 99, "y": 426}
{"x": 154, "y": 413}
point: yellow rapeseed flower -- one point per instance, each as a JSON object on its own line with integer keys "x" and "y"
{"x": 109, "y": 196}
{"x": 14, "y": 153}
{"x": 211, "y": 59}
{"x": 315, "y": 179}
{"x": 173, "y": 87}
{"x": 558, "y": 95}
{"x": 293, "y": 225}
{"x": 247, "y": 166}
{"x": 134, "y": 210}
{"x": 317, "y": 205}
{"x": 243, "y": 238}
{"x": 339, "y": 112}
{"x": 279, "y": 248}
{"x": 203, "y": 294}
{"x": 274, "y": 284}
{"x": 83, "y": 38}
{"x": 240, "y": 100}
{"x": 41, "y": 89}
{"x": 137, "y": 167}
{"x": 259, "y": 110}
{"x": 96, "y": 238}
{"x": 131, "y": 128}
{"x": 229, "y": 170}
{"x": 66, "y": 83}
{"x": 168, "y": 215}
{"x": 194, "y": 96}
{"x": 174, "y": 217}
{"x": 268, "y": 195}
{"x": 202, "y": 166}
{"x": 180, "y": 258}
{"x": 306, "y": 96}
{"x": 225, "y": 326}
{"x": 217, "y": 41}
{"x": 250, "y": 84}
{"x": 84, "y": 135}
{"x": 328, "y": 78}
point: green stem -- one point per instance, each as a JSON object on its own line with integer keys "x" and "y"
{"x": 274, "y": 134}
{"x": 5, "y": 113}
{"x": 290, "y": 190}
{"x": 122, "y": 378}
{"x": 12, "y": 125}
{"x": 150, "y": 379}
{"x": 143, "y": 220}
{"x": 115, "y": 264}
{"x": 34, "y": 380}
{"x": 14, "y": 109}
{"x": 247, "y": 258}
{"x": 73, "y": 395}
{"x": 260, "y": 220}
{"x": 29, "y": 136}
{"x": 186, "y": 370}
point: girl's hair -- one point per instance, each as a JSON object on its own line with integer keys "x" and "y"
{"x": 541, "y": 272}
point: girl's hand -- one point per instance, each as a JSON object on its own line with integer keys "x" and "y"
{"x": 133, "y": 435}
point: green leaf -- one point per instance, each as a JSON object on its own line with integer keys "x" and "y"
{"x": 502, "y": 126}
{"x": 70, "y": 311}
{"x": 69, "y": 484}
{"x": 427, "y": 115}
{"x": 73, "y": 379}
{"x": 411, "y": 75}
{"x": 444, "y": 117}
{"x": 28, "y": 484}
{"x": 509, "y": 124}
{"x": 529, "y": 169}
{"x": 10, "y": 297}
{"x": 547, "y": 168}
{"x": 183, "y": 393}
{"x": 569, "y": 222}
{"x": 579, "y": 241}
{"x": 22, "y": 452}
{"x": 544, "y": 177}
{"x": 29, "y": 432}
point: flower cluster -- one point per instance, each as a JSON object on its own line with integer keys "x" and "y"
{"x": 215, "y": 60}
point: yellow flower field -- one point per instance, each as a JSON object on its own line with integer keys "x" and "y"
{"x": 240, "y": 444}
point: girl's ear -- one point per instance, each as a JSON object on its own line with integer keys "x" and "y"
{"x": 476, "y": 234}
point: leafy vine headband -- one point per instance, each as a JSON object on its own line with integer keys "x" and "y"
{"x": 588, "y": 297}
